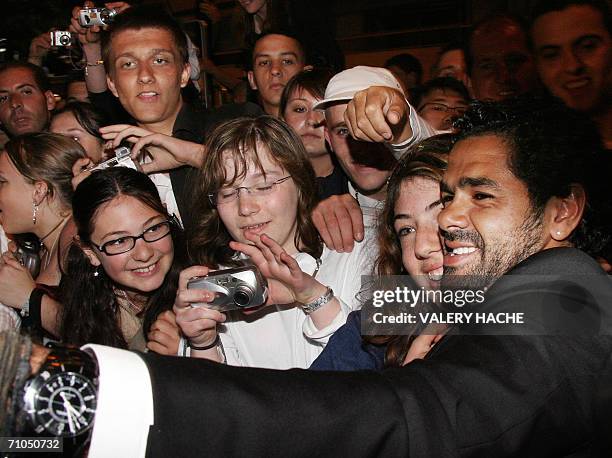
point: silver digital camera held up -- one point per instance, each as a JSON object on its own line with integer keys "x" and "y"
{"x": 88, "y": 17}
{"x": 61, "y": 38}
{"x": 122, "y": 159}
{"x": 235, "y": 289}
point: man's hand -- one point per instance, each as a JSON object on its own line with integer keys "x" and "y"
{"x": 39, "y": 48}
{"x": 166, "y": 152}
{"x": 379, "y": 114}
{"x": 339, "y": 221}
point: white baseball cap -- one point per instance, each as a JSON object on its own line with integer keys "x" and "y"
{"x": 344, "y": 85}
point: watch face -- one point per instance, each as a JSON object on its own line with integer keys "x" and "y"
{"x": 63, "y": 404}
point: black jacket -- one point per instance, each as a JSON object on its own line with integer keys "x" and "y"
{"x": 481, "y": 396}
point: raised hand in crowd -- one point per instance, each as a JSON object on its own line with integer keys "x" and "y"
{"x": 81, "y": 170}
{"x": 210, "y": 10}
{"x": 156, "y": 152}
{"x": 379, "y": 114}
{"x": 339, "y": 221}
{"x": 197, "y": 323}
{"x": 89, "y": 37}
{"x": 39, "y": 48}
{"x": 164, "y": 335}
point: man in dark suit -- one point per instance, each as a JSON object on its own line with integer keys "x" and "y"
{"x": 515, "y": 201}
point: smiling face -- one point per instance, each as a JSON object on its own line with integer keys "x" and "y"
{"x": 24, "y": 108}
{"x": 147, "y": 74}
{"x": 416, "y": 225}
{"x": 273, "y": 214}
{"x": 143, "y": 269}
{"x": 573, "y": 51}
{"x": 502, "y": 65}
{"x": 16, "y": 197}
{"x": 276, "y": 58}
{"x": 487, "y": 222}
{"x": 307, "y": 123}
{"x": 66, "y": 124}
{"x": 368, "y": 180}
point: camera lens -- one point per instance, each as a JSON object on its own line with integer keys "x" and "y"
{"x": 242, "y": 298}
{"x": 65, "y": 40}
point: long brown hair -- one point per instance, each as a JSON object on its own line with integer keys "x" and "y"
{"x": 242, "y": 138}
{"x": 428, "y": 160}
{"x": 49, "y": 158}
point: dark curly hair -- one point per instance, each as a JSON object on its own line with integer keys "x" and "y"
{"x": 552, "y": 147}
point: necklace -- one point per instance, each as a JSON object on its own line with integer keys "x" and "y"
{"x": 48, "y": 253}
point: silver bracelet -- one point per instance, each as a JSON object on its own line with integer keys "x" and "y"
{"x": 319, "y": 302}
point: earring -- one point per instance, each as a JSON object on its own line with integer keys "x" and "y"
{"x": 96, "y": 272}
{"x": 34, "y": 212}
{"x": 558, "y": 232}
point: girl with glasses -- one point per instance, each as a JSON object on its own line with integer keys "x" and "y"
{"x": 123, "y": 268}
{"x": 253, "y": 200}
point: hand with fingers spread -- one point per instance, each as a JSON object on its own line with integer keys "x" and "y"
{"x": 339, "y": 221}
{"x": 379, "y": 114}
{"x": 197, "y": 323}
{"x": 165, "y": 335}
{"x": 165, "y": 152}
{"x": 287, "y": 283}
{"x": 16, "y": 283}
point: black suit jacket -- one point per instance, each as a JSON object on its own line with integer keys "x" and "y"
{"x": 481, "y": 396}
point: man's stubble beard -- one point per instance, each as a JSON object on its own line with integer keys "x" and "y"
{"x": 498, "y": 259}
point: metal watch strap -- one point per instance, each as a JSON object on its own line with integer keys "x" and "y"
{"x": 319, "y": 302}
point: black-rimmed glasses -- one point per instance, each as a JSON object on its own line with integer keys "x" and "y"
{"x": 127, "y": 242}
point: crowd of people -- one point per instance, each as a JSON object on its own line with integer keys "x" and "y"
{"x": 334, "y": 182}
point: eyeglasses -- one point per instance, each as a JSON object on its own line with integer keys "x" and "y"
{"x": 223, "y": 196}
{"x": 436, "y": 106}
{"x": 127, "y": 242}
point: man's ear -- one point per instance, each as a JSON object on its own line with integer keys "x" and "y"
{"x": 185, "y": 74}
{"x": 50, "y": 99}
{"x": 251, "y": 77}
{"x": 327, "y": 138}
{"x": 563, "y": 214}
{"x": 111, "y": 85}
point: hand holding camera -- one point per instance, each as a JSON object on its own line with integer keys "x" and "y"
{"x": 16, "y": 282}
{"x": 287, "y": 282}
{"x": 198, "y": 324}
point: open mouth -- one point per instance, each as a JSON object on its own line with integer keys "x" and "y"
{"x": 148, "y": 96}
{"x": 435, "y": 274}
{"x": 456, "y": 254}
{"x": 577, "y": 84}
{"x": 255, "y": 228}
{"x": 147, "y": 270}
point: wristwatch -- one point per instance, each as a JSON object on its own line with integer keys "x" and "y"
{"x": 61, "y": 399}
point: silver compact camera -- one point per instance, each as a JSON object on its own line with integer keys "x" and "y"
{"x": 61, "y": 38}
{"x": 122, "y": 159}
{"x": 235, "y": 289}
{"x": 88, "y": 17}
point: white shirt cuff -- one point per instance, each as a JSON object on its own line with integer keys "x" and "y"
{"x": 124, "y": 410}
